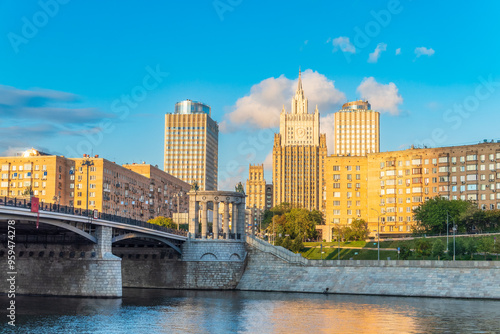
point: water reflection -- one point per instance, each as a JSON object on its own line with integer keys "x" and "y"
{"x": 167, "y": 311}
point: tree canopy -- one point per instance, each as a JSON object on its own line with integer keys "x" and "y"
{"x": 295, "y": 222}
{"x": 431, "y": 216}
{"x": 163, "y": 221}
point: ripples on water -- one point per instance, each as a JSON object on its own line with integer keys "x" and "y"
{"x": 165, "y": 311}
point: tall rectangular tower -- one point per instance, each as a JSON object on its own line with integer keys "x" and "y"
{"x": 191, "y": 144}
{"x": 357, "y": 129}
{"x": 256, "y": 187}
{"x": 299, "y": 156}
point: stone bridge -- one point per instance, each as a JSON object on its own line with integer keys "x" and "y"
{"x": 69, "y": 253}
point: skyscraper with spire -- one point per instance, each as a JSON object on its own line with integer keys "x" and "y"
{"x": 299, "y": 156}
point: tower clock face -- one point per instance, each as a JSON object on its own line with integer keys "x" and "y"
{"x": 300, "y": 132}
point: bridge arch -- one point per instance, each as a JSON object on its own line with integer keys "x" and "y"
{"x": 59, "y": 224}
{"x": 143, "y": 235}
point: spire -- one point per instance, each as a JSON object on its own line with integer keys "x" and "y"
{"x": 299, "y": 84}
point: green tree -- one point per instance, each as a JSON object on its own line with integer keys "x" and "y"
{"x": 287, "y": 243}
{"x": 297, "y": 245}
{"x": 471, "y": 246}
{"x": 438, "y": 248}
{"x": 163, "y": 221}
{"x": 485, "y": 246}
{"x": 459, "y": 246}
{"x": 278, "y": 241}
{"x": 404, "y": 252}
{"x": 496, "y": 248}
{"x": 431, "y": 215}
{"x": 359, "y": 229}
{"x": 423, "y": 247}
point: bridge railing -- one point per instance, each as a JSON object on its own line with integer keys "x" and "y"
{"x": 53, "y": 207}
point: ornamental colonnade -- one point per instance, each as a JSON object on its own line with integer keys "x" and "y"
{"x": 205, "y": 200}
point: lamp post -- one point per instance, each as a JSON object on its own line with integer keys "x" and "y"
{"x": 454, "y": 230}
{"x": 447, "y": 230}
{"x": 87, "y": 163}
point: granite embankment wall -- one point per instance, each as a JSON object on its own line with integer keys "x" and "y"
{"x": 209, "y": 264}
{"x": 276, "y": 269}
{"x": 62, "y": 270}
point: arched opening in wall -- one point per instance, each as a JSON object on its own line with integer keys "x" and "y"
{"x": 234, "y": 257}
{"x": 140, "y": 246}
{"x": 209, "y": 257}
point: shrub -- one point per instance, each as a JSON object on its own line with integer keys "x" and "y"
{"x": 287, "y": 243}
{"x": 438, "y": 248}
{"x": 297, "y": 245}
{"x": 423, "y": 247}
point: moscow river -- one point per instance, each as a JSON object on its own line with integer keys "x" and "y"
{"x": 168, "y": 311}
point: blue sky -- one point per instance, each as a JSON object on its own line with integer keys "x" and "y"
{"x": 67, "y": 67}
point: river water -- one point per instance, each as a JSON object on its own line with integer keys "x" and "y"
{"x": 167, "y": 311}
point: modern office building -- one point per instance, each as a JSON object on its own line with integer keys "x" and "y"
{"x": 136, "y": 191}
{"x": 299, "y": 154}
{"x": 191, "y": 144}
{"x": 357, "y": 129}
{"x": 392, "y": 184}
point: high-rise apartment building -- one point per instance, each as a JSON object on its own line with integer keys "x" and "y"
{"x": 299, "y": 153}
{"x": 389, "y": 185}
{"x": 357, "y": 129}
{"x": 191, "y": 144}
{"x": 256, "y": 187}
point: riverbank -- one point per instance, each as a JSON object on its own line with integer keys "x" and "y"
{"x": 276, "y": 269}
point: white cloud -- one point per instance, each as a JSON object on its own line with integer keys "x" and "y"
{"x": 373, "y": 57}
{"x": 328, "y": 127}
{"x": 261, "y": 108}
{"x": 423, "y": 51}
{"x": 344, "y": 44}
{"x": 268, "y": 162}
{"x": 383, "y": 98}
{"x": 398, "y": 51}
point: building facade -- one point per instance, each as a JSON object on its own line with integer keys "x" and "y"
{"x": 397, "y": 182}
{"x": 357, "y": 129}
{"x": 299, "y": 154}
{"x": 137, "y": 191}
{"x": 256, "y": 187}
{"x": 191, "y": 144}
{"x": 45, "y": 176}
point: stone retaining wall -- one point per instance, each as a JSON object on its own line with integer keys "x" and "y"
{"x": 269, "y": 270}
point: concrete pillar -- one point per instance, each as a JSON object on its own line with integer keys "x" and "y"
{"x": 234, "y": 221}
{"x": 104, "y": 234}
{"x": 215, "y": 224}
{"x": 193, "y": 215}
{"x": 204, "y": 221}
{"x": 241, "y": 223}
{"x": 226, "y": 219}
{"x": 250, "y": 221}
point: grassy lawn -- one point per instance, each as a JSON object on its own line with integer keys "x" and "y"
{"x": 311, "y": 250}
{"x": 360, "y": 243}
